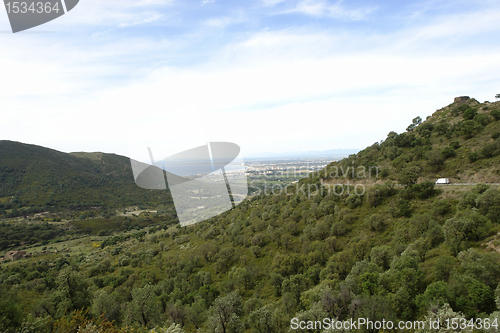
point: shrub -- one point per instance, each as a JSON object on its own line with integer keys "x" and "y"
{"x": 174, "y": 328}
{"x": 473, "y": 156}
{"x": 469, "y": 114}
{"x": 448, "y": 152}
{"x": 384, "y": 173}
{"x": 353, "y": 201}
{"x": 378, "y": 193}
{"x": 409, "y": 175}
{"x": 495, "y": 114}
{"x": 376, "y": 222}
{"x": 424, "y": 190}
{"x": 425, "y": 130}
{"x": 435, "y": 159}
{"x": 460, "y": 109}
{"x": 442, "y": 128}
{"x": 482, "y": 119}
{"x": 490, "y": 150}
{"x": 495, "y": 135}
{"x": 488, "y": 204}
{"x": 469, "y": 127}
{"x": 456, "y": 231}
{"x": 404, "y": 207}
{"x": 455, "y": 144}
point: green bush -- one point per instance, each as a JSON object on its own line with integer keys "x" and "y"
{"x": 488, "y": 204}
{"x": 455, "y": 144}
{"x": 490, "y": 150}
{"x": 482, "y": 119}
{"x": 409, "y": 175}
{"x": 495, "y": 114}
{"x": 425, "y": 130}
{"x": 495, "y": 135}
{"x": 435, "y": 159}
{"x": 424, "y": 190}
{"x": 473, "y": 156}
{"x": 459, "y": 110}
{"x": 469, "y": 127}
{"x": 469, "y": 114}
{"x": 448, "y": 152}
{"x": 442, "y": 127}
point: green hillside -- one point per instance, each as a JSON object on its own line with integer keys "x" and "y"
{"x": 459, "y": 142}
{"x": 35, "y": 179}
{"x": 389, "y": 246}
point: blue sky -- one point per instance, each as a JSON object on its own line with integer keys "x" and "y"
{"x": 269, "y": 75}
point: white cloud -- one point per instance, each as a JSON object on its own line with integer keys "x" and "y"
{"x": 112, "y": 12}
{"x": 337, "y": 10}
{"x": 460, "y": 25}
{"x": 293, "y": 89}
{"x": 149, "y": 19}
{"x": 223, "y": 22}
{"x": 272, "y": 2}
{"x": 342, "y": 101}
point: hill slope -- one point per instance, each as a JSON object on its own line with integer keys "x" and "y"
{"x": 391, "y": 252}
{"x": 33, "y": 176}
{"x": 460, "y": 142}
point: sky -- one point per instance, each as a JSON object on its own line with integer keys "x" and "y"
{"x": 119, "y": 76}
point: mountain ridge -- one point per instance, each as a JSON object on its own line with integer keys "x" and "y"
{"x": 39, "y": 176}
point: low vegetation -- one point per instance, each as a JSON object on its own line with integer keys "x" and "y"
{"x": 404, "y": 249}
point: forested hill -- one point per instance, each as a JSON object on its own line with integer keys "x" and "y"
{"x": 397, "y": 249}
{"x": 459, "y": 142}
{"x": 37, "y": 178}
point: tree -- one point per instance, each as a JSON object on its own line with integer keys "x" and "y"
{"x": 72, "y": 293}
{"x": 448, "y": 152}
{"x": 468, "y": 128}
{"x": 263, "y": 320}
{"x": 197, "y": 313}
{"x": 315, "y": 313}
{"x": 488, "y": 204}
{"x": 495, "y": 114}
{"x": 436, "y": 292}
{"x": 457, "y": 230}
{"x": 104, "y": 305}
{"x": 10, "y": 313}
{"x": 144, "y": 307}
{"x": 497, "y": 96}
{"x": 416, "y": 121}
{"x": 480, "y": 265}
{"x": 409, "y": 175}
{"x": 469, "y": 114}
{"x": 174, "y": 328}
{"x": 443, "y": 268}
{"x": 381, "y": 256}
{"x": 443, "y": 313}
{"x": 435, "y": 159}
{"x": 225, "y": 314}
{"x": 471, "y": 296}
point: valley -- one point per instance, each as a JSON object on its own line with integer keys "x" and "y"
{"x": 404, "y": 249}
